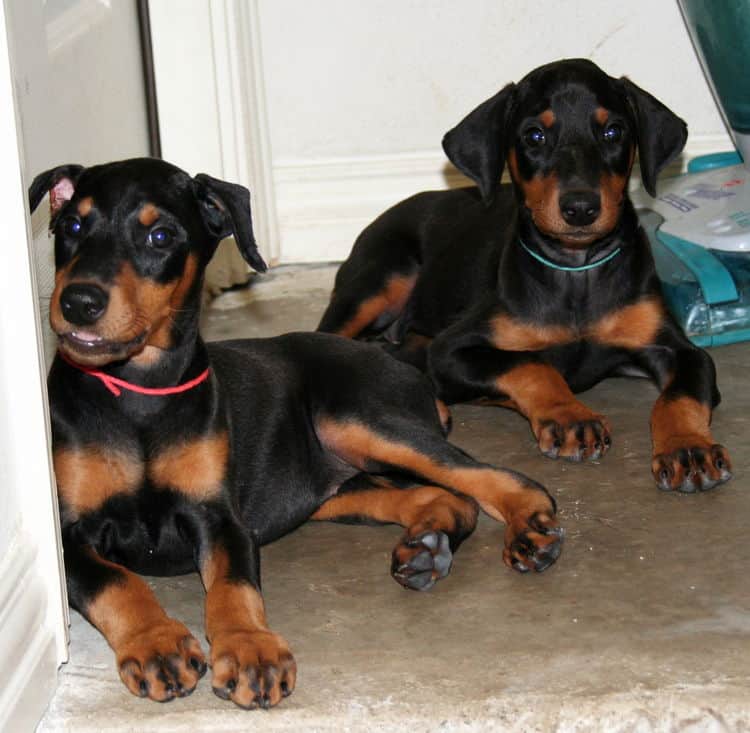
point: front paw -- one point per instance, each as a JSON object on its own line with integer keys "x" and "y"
{"x": 573, "y": 434}
{"x": 163, "y": 662}
{"x": 697, "y": 466}
{"x": 534, "y": 542}
{"x": 252, "y": 668}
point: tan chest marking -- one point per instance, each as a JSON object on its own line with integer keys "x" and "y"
{"x": 196, "y": 467}
{"x": 512, "y": 335}
{"x": 632, "y": 327}
{"x": 87, "y": 477}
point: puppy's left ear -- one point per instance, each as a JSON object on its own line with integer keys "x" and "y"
{"x": 225, "y": 208}
{"x": 477, "y": 145}
{"x": 661, "y": 133}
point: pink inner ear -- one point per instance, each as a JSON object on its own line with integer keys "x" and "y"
{"x": 60, "y": 193}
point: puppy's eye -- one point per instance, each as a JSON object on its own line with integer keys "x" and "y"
{"x": 71, "y": 226}
{"x": 535, "y": 137}
{"x": 160, "y": 237}
{"x": 612, "y": 133}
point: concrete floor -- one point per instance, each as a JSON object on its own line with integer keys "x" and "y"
{"x": 643, "y": 624}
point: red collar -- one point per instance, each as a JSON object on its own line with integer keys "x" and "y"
{"x": 113, "y": 383}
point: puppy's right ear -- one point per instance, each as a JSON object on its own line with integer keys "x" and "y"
{"x": 477, "y": 145}
{"x": 59, "y": 182}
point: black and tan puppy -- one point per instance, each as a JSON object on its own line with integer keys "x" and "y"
{"x": 520, "y": 295}
{"x": 172, "y": 455}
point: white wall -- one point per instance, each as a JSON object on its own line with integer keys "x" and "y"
{"x": 359, "y": 94}
{"x": 32, "y": 618}
{"x": 356, "y": 96}
{"x": 391, "y": 76}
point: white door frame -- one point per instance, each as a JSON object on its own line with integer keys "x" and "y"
{"x": 212, "y": 111}
{"x": 33, "y": 606}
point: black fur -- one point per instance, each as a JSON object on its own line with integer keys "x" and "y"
{"x": 568, "y": 133}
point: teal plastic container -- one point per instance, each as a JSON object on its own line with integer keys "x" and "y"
{"x": 706, "y": 290}
{"x": 720, "y": 30}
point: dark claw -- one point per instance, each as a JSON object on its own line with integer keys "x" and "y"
{"x": 518, "y": 565}
{"x": 198, "y": 665}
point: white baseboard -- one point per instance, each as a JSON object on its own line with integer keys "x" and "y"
{"x": 324, "y": 203}
{"x": 28, "y": 681}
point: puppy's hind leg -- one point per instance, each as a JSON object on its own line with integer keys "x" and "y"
{"x": 533, "y": 538}
{"x": 436, "y": 522}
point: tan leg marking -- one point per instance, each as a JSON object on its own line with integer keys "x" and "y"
{"x": 532, "y": 537}
{"x": 562, "y": 425}
{"x": 434, "y": 520}
{"x": 685, "y": 456}
{"x": 501, "y": 494}
{"x": 392, "y": 299}
{"x": 156, "y": 655}
{"x": 419, "y": 508}
{"x": 250, "y": 664}
{"x": 677, "y": 422}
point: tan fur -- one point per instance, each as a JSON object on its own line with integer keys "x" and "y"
{"x": 547, "y": 118}
{"x": 678, "y": 423}
{"x": 632, "y": 327}
{"x": 196, "y": 468}
{"x": 87, "y": 477}
{"x": 85, "y": 205}
{"x": 229, "y": 604}
{"x": 148, "y": 214}
{"x": 510, "y": 334}
{"x": 392, "y": 298}
{"x": 499, "y": 493}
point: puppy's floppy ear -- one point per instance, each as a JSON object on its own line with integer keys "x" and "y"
{"x": 59, "y": 182}
{"x": 478, "y": 144}
{"x": 661, "y": 133}
{"x": 225, "y": 208}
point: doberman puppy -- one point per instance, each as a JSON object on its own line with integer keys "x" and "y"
{"x": 522, "y": 294}
{"x": 172, "y": 455}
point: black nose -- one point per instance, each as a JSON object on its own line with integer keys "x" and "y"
{"x": 83, "y": 304}
{"x": 580, "y": 208}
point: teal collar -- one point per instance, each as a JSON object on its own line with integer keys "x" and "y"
{"x": 581, "y": 268}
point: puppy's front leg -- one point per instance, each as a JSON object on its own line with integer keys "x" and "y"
{"x": 157, "y": 656}
{"x": 251, "y": 665}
